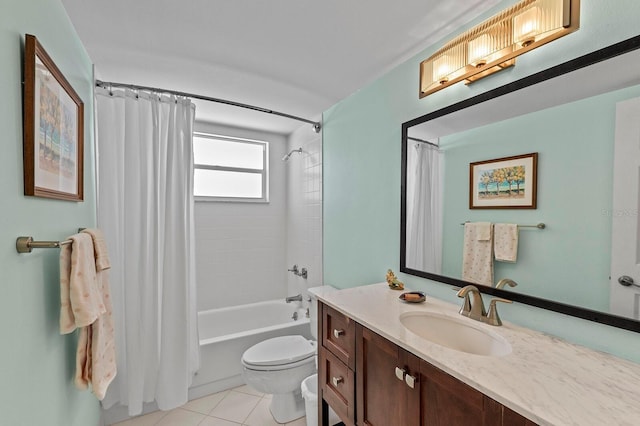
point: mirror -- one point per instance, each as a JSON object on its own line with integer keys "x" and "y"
{"x": 565, "y": 114}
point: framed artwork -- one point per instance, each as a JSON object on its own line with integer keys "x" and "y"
{"x": 53, "y": 129}
{"x": 504, "y": 183}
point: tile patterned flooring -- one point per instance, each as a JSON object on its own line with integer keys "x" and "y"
{"x": 238, "y": 406}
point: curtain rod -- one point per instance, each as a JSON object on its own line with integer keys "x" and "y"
{"x": 423, "y": 141}
{"x": 109, "y": 84}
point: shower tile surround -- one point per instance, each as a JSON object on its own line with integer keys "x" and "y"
{"x": 243, "y": 250}
{"x": 304, "y": 209}
{"x": 240, "y": 247}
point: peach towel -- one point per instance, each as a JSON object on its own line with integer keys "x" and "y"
{"x": 505, "y": 242}
{"x": 477, "y": 253}
{"x": 80, "y": 299}
{"x": 84, "y": 267}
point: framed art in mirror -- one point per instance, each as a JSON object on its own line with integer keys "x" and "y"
{"x": 53, "y": 129}
{"x": 504, "y": 183}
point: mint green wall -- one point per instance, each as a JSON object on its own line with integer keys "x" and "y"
{"x": 361, "y": 142}
{"x": 36, "y": 362}
{"x": 575, "y": 153}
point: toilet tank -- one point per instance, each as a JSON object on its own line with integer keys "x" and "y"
{"x": 313, "y": 310}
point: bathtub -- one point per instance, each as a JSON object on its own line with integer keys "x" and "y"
{"x": 226, "y": 333}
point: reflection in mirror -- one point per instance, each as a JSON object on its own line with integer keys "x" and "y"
{"x": 570, "y": 121}
{"x": 424, "y": 205}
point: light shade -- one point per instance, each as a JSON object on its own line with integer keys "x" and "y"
{"x": 494, "y": 44}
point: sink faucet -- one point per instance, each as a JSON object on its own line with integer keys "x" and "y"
{"x": 296, "y": 298}
{"x": 506, "y": 281}
{"x": 474, "y": 309}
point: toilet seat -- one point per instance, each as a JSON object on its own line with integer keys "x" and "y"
{"x": 279, "y": 353}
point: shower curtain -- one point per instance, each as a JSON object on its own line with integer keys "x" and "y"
{"x": 424, "y": 208}
{"x": 145, "y": 208}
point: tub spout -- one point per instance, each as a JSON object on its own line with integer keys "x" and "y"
{"x": 296, "y": 298}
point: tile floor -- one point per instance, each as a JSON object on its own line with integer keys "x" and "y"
{"x": 238, "y": 406}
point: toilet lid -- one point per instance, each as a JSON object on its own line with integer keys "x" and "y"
{"x": 279, "y": 350}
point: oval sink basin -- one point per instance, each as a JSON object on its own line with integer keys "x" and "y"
{"x": 453, "y": 333}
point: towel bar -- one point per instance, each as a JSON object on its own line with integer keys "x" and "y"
{"x": 26, "y": 244}
{"x": 538, "y": 225}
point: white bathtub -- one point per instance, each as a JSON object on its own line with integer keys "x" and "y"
{"x": 226, "y": 333}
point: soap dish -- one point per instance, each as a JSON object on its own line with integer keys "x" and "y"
{"x": 413, "y": 297}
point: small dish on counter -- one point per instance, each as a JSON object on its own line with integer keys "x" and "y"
{"x": 413, "y": 297}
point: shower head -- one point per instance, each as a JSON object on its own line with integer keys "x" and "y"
{"x": 286, "y": 157}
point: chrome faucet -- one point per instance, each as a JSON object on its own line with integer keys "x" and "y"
{"x": 296, "y": 298}
{"x": 474, "y": 309}
{"x": 506, "y": 281}
{"x": 301, "y": 273}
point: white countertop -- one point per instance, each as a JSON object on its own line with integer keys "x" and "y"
{"x": 544, "y": 378}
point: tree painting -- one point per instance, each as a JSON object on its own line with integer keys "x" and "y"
{"x": 57, "y": 129}
{"x": 504, "y": 182}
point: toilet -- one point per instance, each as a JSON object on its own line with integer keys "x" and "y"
{"x": 278, "y": 366}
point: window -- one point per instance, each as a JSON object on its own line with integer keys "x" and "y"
{"x": 230, "y": 169}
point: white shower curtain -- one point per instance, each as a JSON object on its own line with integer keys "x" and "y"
{"x": 145, "y": 208}
{"x": 424, "y": 208}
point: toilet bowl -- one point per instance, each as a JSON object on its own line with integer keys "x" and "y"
{"x": 277, "y": 366}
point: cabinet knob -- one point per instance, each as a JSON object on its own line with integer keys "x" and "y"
{"x": 400, "y": 373}
{"x": 410, "y": 380}
{"x": 337, "y": 333}
{"x": 337, "y": 380}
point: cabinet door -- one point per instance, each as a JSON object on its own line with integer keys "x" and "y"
{"x": 383, "y": 397}
{"x": 446, "y": 401}
{"x": 511, "y": 418}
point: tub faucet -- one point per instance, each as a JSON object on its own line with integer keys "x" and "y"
{"x": 296, "y": 298}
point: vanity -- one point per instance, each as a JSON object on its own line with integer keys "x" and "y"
{"x": 376, "y": 367}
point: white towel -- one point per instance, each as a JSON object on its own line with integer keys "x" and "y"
{"x": 477, "y": 253}
{"x": 505, "y": 237}
{"x": 483, "y": 231}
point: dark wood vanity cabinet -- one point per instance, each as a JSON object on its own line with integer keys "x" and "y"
{"x": 446, "y": 401}
{"x": 387, "y": 384}
{"x": 370, "y": 381}
{"x": 336, "y": 365}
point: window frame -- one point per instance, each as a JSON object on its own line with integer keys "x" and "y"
{"x": 264, "y": 172}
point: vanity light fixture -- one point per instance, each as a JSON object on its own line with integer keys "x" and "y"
{"x": 494, "y": 44}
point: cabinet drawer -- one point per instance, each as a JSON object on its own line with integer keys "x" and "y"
{"x": 338, "y": 386}
{"x": 338, "y": 335}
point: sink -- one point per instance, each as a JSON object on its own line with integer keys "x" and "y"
{"x": 460, "y": 334}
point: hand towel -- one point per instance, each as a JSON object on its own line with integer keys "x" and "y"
{"x": 80, "y": 298}
{"x": 483, "y": 231}
{"x": 99, "y": 248}
{"x": 505, "y": 246}
{"x": 99, "y": 367}
{"x": 477, "y": 254}
{"x": 84, "y": 267}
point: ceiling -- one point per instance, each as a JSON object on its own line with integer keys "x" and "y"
{"x": 299, "y": 57}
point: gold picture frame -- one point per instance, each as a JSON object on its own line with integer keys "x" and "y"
{"x": 53, "y": 148}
